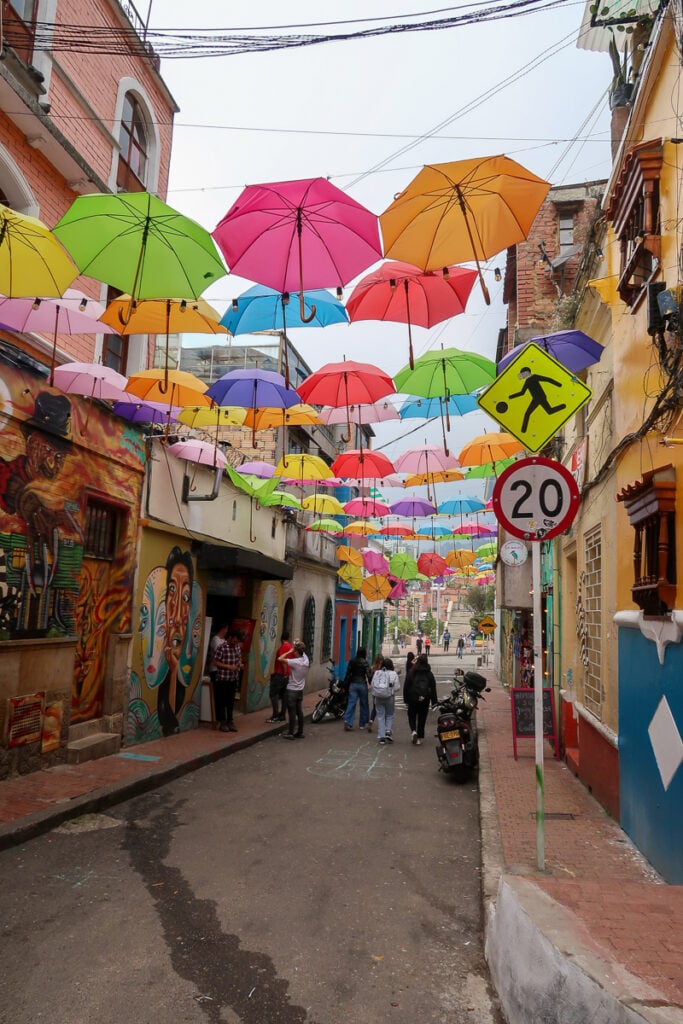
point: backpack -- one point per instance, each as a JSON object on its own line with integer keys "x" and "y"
{"x": 381, "y": 685}
{"x": 420, "y": 685}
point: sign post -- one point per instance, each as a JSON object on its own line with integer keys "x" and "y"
{"x": 536, "y": 499}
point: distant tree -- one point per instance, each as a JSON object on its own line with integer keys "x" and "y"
{"x": 405, "y": 626}
{"x": 481, "y": 601}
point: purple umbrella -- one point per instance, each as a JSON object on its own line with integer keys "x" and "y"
{"x": 263, "y": 470}
{"x": 146, "y": 412}
{"x": 573, "y": 349}
{"x": 413, "y": 507}
{"x": 253, "y": 389}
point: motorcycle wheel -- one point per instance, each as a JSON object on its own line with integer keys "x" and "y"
{"x": 319, "y": 711}
{"x": 338, "y": 711}
{"x": 459, "y": 772}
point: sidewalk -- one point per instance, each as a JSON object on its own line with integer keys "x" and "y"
{"x": 595, "y": 938}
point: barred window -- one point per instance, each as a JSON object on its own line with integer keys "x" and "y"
{"x": 308, "y": 630}
{"x": 101, "y": 529}
{"x": 592, "y": 601}
{"x": 328, "y": 624}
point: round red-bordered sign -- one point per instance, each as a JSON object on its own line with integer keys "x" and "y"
{"x": 536, "y": 499}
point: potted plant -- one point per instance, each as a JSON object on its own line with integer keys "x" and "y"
{"x": 620, "y": 90}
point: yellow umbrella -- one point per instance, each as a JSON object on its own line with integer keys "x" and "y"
{"x": 296, "y": 415}
{"x": 32, "y": 259}
{"x": 463, "y": 211}
{"x": 350, "y": 555}
{"x": 362, "y": 528}
{"x": 177, "y": 387}
{"x": 375, "y": 588}
{"x": 325, "y": 504}
{"x": 489, "y": 448}
{"x": 444, "y": 476}
{"x": 459, "y": 558}
{"x": 200, "y": 416}
{"x": 302, "y": 467}
{"x": 162, "y": 316}
{"x": 352, "y": 575}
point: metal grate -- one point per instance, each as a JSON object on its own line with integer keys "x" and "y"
{"x": 24, "y": 719}
{"x": 308, "y": 626}
{"x": 592, "y": 603}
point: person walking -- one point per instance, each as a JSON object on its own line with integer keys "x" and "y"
{"x": 419, "y": 691}
{"x": 377, "y": 664}
{"x": 279, "y": 680}
{"x": 298, "y": 663}
{"x": 428, "y": 644}
{"x": 446, "y": 641}
{"x": 473, "y": 641}
{"x": 228, "y": 663}
{"x": 418, "y": 644}
{"x": 356, "y": 681}
{"x": 461, "y": 645}
{"x": 383, "y": 686}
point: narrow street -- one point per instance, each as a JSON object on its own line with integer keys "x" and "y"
{"x": 325, "y": 880}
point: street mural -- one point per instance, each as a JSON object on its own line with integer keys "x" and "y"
{"x": 164, "y": 695}
{"x": 268, "y": 611}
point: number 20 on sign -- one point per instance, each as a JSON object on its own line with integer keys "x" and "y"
{"x": 536, "y": 499}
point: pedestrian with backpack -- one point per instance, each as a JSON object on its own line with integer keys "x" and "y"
{"x": 356, "y": 682}
{"x": 384, "y": 685}
{"x": 419, "y": 691}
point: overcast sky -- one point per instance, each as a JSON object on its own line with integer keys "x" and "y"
{"x": 339, "y": 108}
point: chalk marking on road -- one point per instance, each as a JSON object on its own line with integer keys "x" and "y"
{"x": 364, "y": 762}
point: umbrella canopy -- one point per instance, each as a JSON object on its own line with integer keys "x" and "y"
{"x": 351, "y": 575}
{"x": 391, "y": 480}
{"x": 361, "y": 528}
{"x": 432, "y": 564}
{"x": 446, "y": 372}
{"x": 251, "y": 485}
{"x": 413, "y": 507}
{"x": 264, "y": 309}
{"x": 427, "y": 408}
{"x": 162, "y": 316}
{"x": 90, "y": 380}
{"x": 374, "y": 561}
{"x": 325, "y": 504}
{"x": 201, "y": 452}
{"x": 443, "y": 477}
{"x": 146, "y": 412}
{"x": 488, "y": 469}
{"x": 377, "y": 412}
{"x": 459, "y": 505}
{"x": 32, "y": 260}
{"x": 398, "y": 590}
{"x": 292, "y": 235}
{"x": 487, "y": 550}
{"x": 139, "y": 245}
{"x": 573, "y": 349}
{"x": 325, "y": 526}
{"x": 253, "y": 389}
{"x": 376, "y": 588}
{"x": 348, "y": 554}
{"x": 345, "y": 384}
{"x": 434, "y": 531}
{"x": 203, "y": 416}
{"x": 366, "y": 464}
{"x": 426, "y": 458}
{"x": 402, "y": 293}
{"x": 403, "y": 566}
{"x": 459, "y": 558}
{"x": 474, "y": 530}
{"x": 302, "y": 467}
{"x": 280, "y": 499}
{"x": 489, "y": 448}
{"x": 295, "y": 415}
{"x": 461, "y": 212}
{"x": 397, "y": 530}
{"x": 174, "y": 387}
{"x": 258, "y": 468}
{"x": 366, "y": 507}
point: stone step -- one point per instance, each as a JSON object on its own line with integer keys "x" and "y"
{"x": 88, "y": 748}
{"x": 80, "y": 730}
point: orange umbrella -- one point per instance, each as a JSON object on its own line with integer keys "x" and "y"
{"x": 350, "y": 555}
{"x": 362, "y": 528}
{"x": 376, "y": 588}
{"x": 489, "y": 448}
{"x": 442, "y": 477}
{"x": 459, "y": 558}
{"x": 175, "y": 387}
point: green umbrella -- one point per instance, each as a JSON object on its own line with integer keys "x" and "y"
{"x": 279, "y": 498}
{"x": 489, "y": 549}
{"x": 252, "y": 485}
{"x": 488, "y": 469}
{"x": 139, "y": 245}
{"x": 403, "y": 567}
{"x": 326, "y": 526}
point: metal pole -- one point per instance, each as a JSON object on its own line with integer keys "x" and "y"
{"x": 438, "y": 614}
{"x": 538, "y": 703}
{"x": 394, "y": 649}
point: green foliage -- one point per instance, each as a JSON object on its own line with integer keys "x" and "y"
{"x": 404, "y": 626}
{"x": 480, "y": 600}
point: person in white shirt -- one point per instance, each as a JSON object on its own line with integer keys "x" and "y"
{"x": 298, "y": 663}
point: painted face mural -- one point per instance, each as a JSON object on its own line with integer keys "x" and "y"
{"x": 152, "y": 627}
{"x": 268, "y": 627}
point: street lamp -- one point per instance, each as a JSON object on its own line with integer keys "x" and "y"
{"x": 438, "y": 588}
{"x": 394, "y": 649}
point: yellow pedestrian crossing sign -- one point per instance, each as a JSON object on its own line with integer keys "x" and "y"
{"x": 534, "y": 396}
{"x": 487, "y": 625}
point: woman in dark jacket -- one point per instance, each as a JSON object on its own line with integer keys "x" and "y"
{"x": 356, "y": 682}
{"x": 419, "y": 691}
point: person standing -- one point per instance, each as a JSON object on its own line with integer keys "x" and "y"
{"x": 377, "y": 664}
{"x": 418, "y": 644}
{"x": 446, "y": 641}
{"x": 298, "y": 663}
{"x": 229, "y": 666}
{"x": 279, "y": 679}
{"x": 461, "y": 645}
{"x": 428, "y": 644}
{"x": 384, "y": 685}
{"x": 473, "y": 641}
{"x": 212, "y": 671}
{"x": 357, "y": 676}
{"x": 419, "y": 690}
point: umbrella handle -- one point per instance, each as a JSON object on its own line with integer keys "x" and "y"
{"x": 252, "y": 537}
{"x": 302, "y": 309}
{"x": 411, "y": 356}
{"x": 464, "y": 209}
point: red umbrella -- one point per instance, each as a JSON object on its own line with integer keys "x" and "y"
{"x": 404, "y": 294}
{"x": 396, "y": 530}
{"x": 367, "y": 465}
{"x": 345, "y": 384}
{"x": 360, "y": 507}
{"x": 431, "y": 564}
{"x": 292, "y": 235}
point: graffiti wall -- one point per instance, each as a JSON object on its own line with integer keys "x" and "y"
{"x": 267, "y": 610}
{"x": 165, "y": 691}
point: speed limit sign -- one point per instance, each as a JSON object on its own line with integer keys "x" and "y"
{"x": 536, "y": 499}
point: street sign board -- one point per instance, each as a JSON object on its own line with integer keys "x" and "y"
{"x": 487, "y": 625}
{"x": 534, "y": 396}
{"x": 536, "y": 498}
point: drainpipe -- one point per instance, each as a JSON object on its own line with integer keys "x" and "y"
{"x": 186, "y": 496}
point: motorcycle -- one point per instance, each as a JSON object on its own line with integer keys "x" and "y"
{"x": 457, "y": 746}
{"x": 333, "y": 701}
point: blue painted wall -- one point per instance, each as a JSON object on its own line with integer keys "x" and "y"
{"x": 650, "y": 814}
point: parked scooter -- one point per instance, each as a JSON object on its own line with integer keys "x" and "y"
{"x": 457, "y": 745}
{"x": 333, "y": 701}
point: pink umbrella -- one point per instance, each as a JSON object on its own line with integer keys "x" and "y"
{"x": 91, "y": 381}
{"x": 374, "y": 561}
{"x": 263, "y": 470}
{"x": 377, "y": 412}
{"x": 475, "y": 530}
{"x": 292, "y": 235}
{"x": 201, "y": 452}
{"x": 390, "y": 480}
{"x": 360, "y": 507}
{"x": 399, "y": 589}
{"x": 425, "y": 458}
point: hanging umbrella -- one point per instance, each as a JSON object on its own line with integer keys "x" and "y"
{"x": 573, "y": 349}
{"x": 146, "y": 412}
{"x": 432, "y": 564}
{"x": 459, "y": 505}
{"x": 263, "y": 309}
{"x": 489, "y": 448}
{"x": 345, "y": 384}
{"x": 487, "y": 550}
{"x": 325, "y": 504}
{"x": 402, "y": 293}
{"x": 403, "y": 566}
{"x": 429, "y": 408}
{"x": 413, "y": 507}
{"x": 459, "y": 558}
{"x": 376, "y": 412}
{"x": 162, "y": 316}
{"x": 348, "y": 554}
{"x": 296, "y": 415}
{"x": 375, "y": 588}
{"x": 351, "y": 575}
{"x": 474, "y": 530}
{"x": 366, "y": 507}
{"x": 374, "y": 561}
{"x": 391, "y": 480}
{"x": 252, "y": 390}
{"x": 201, "y": 452}
{"x": 259, "y": 490}
{"x": 175, "y": 387}
{"x": 302, "y": 468}
{"x": 281, "y": 499}
{"x": 443, "y": 477}
{"x": 367, "y": 465}
{"x": 398, "y": 590}
{"x": 292, "y": 235}
{"x": 396, "y": 530}
{"x": 360, "y": 528}
{"x": 258, "y": 468}
{"x": 32, "y": 260}
{"x": 203, "y": 416}
{"x": 139, "y": 245}
{"x": 91, "y": 381}
{"x": 425, "y": 458}
{"x": 434, "y": 531}
{"x": 325, "y": 526}
{"x": 488, "y": 469}
{"x": 462, "y": 212}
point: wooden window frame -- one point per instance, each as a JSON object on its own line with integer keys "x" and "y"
{"x": 127, "y": 179}
{"x": 103, "y": 523}
{"x": 651, "y": 507}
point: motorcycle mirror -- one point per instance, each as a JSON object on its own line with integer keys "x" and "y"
{"x": 487, "y": 690}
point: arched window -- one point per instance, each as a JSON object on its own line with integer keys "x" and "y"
{"x": 308, "y": 628}
{"x": 328, "y": 623}
{"x": 288, "y": 617}
{"x": 131, "y": 175}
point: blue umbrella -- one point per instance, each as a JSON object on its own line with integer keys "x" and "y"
{"x": 455, "y": 505}
{"x": 427, "y": 408}
{"x": 264, "y": 309}
{"x": 434, "y": 531}
{"x": 574, "y": 349}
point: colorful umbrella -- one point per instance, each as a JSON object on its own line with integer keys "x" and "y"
{"x": 489, "y": 448}
{"x": 403, "y": 566}
{"x": 443, "y": 477}
{"x": 203, "y": 416}
{"x": 434, "y": 531}
{"x": 325, "y": 526}
{"x": 264, "y": 309}
{"x": 413, "y": 507}
{"x": 459, "y": 505}
{"x": 139, "y": 245}
{"x": 474, "y": 530}
{"x": 374, "y": 561}
{"x": 459, "y": 558}
{"x": 351, "y": 575}
{"x": 295, "y": 415}
{"x": 366, "y": 507}
{"x": 396, "y": 530}
{"x": 487, "y": 550}
{"x": 376, "y": 588}
{"x": 258, "y": 468}
{"x": 253, "y": 390}
{"x": 425, "y": 458}
{"x": 302, "y": 467}
{"x": 488, "y": 469}
{"x": 325, "y": 504}
{"x": 91, "y": 380}
{"x": 462, "y": 212}
{"x": 432, "y": 564}
{"x": 161, "y": 316}
{"x": 366, "y": 464}
{"x": 173, "y": 387}
{"x": 398, "y": 590}
{"x": 573, "y": 349}
{"x": 201, "y": 452}
{"x": 32, "y": 260}
{"x": 402, "y": 293}
{"x": 146, "y": 412}
{"x": 348, "y": 554}
{"x": 377, "y": 412}
{"x": 260, "y": 490}
{"x": 281, "y": 499}
{"x": 360, "y": 528}
{"x": 293, "y": 235}
{"x": 345, "y": 384}
{"x": 429, "y": 408}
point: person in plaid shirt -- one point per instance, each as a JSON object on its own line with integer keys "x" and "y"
{"x": 228, "y": 664}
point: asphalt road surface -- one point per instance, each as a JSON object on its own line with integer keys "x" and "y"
{"x": 324, "y": 880}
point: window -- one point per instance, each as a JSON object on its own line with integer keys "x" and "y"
{"x": 115, "y": 346}
{"x": 591, "y": 641}
{"x": 566, "y": 231}
{"x": 132, "y": 169}
{"x": 308, "y": 629}
{"x": 328, "y": 624}
{"x": 101, "y": 529}
{"x": 634, "y": 213}
{"x": 651, "y": 507}
{"x": 19, "y": 26}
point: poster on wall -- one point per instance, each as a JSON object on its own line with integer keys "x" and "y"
{"x": 245, "y": 629}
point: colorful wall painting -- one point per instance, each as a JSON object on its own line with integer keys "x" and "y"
{"x": 167, "y": 660}
{"x": 267, "y": 607}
